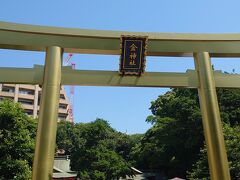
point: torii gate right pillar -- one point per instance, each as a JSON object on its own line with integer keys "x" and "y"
{"x": 217, "y": 156}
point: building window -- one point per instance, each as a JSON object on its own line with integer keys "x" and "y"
{"x": 29, "y": 112}
{"x": 62, "y": 106}
{"x": 62, "y": 96}
{"x": 26, "y": 91}
{"x": 8, "y": 89}
{"x": 62, "y": 116}
{"x": 39, "y": 99}
{"x": 25, "y": 101}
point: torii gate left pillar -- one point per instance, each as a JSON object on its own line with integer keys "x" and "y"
{"x": 47, "y": 124}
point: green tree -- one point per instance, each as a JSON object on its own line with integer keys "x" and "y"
{"x": 176, "y": 138}
{"x": 229, "y": 103}
{"x": 172, "y": 144}
{"x": 65, "y": 136}
{"x": 96, "y": 149}
{"x": 17, "y": 137}
{"x": 232, "y": 140}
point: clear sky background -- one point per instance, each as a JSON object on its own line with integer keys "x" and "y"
{"x": 125, "y": 108}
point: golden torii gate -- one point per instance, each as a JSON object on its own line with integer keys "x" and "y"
{"x": 56, "y": 40}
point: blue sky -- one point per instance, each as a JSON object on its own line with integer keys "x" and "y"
{"x": 125, "y": 108}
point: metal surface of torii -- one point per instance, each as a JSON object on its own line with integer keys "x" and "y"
{"x": 56, "y": 40}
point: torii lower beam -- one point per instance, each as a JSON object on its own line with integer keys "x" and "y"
{"x": 112, "y": 78}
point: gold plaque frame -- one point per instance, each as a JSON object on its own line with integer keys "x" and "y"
{"x": 121, "y": 59}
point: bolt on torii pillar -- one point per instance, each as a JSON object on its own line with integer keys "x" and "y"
{"x": 217, "y": 156}
{"x": 47, "y": 124}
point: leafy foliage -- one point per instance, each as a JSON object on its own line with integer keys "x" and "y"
{"x": 232, "y": 140}
{"x": 97, "y": 151}
{"x": 229, "y": 103}
{"x": 17, "y": 134}
{"x": 176, "y": 138}
{"x": 172, "y": 144}
{"x": 66, "y": 137}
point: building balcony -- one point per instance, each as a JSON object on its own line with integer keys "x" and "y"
{"x": 27, "y": 106}
{"x": 26, "y": 96}
{"x": 6, "y": 94}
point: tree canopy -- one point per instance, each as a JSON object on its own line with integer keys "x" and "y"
{"x": 173, "y": 143}
{"x": 97, "y": 150}
{"x": 232, "y": 140}
{"x": 17, "y": 137}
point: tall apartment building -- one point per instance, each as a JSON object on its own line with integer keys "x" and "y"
{"x": 29, "y": 96}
